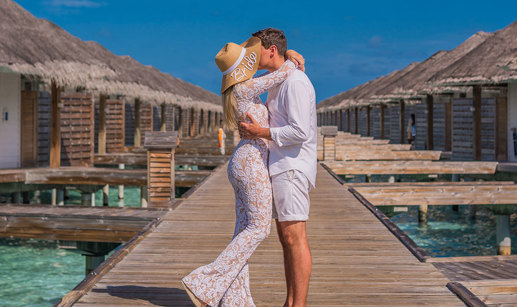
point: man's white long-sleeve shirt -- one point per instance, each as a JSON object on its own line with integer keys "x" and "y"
{"x": 292, "y": 122}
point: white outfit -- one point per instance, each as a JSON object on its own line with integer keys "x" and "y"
{"x": 226, "y": 280}
{"x": 293, "y": 128}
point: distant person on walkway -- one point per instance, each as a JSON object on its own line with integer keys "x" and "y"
{"x": 292, "y": 161}
{"x": 225, "y": 282}
{"x": 411, "y": 129}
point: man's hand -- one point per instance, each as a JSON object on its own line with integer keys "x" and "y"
{"x": 253, "y": 130}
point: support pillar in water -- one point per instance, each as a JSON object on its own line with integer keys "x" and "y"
{"x": 422, "y": 214}
{"x": 36, "y": 197}
{"x": 455, "y": 178}
{"x": 53, "y": 197}
{"x": 121, "y": 187}
{"x": 504, "y": 242}
{"x": 88, "y": 198}
{"x": 94, "y": 253}
{"x": 105, "y": 195}
{"x": 143, "y": 197}
{"x": 60, "y": 197}
{"x": 17, "y": 198}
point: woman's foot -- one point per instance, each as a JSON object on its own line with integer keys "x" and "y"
{"x": 197, "y": 302}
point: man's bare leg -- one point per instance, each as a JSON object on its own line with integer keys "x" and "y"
{"x": 287, "y": 268}
{"x": 299, "y": 262}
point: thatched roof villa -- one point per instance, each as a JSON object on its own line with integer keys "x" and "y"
{"x": 475, "y": 80}
{"x": 47, "y": 75}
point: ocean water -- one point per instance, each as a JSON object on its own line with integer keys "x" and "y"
{"x": 450, "y": 233}
{"x": 36, "y": 273}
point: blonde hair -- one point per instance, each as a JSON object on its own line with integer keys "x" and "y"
{"x": 229, "y": 109}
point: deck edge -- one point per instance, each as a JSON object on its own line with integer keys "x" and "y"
{"x": 464, "y": 294}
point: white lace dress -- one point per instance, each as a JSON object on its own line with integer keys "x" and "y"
{"x": 226, "y": 280}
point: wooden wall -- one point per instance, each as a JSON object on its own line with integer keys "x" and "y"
{"x": 394, "y": 135}
{"x": 129, "y": 129}
{"x": 439, "y": 127}
{"x": 362, "y": 122}
{"x": 115, "y": 132}
{"x": 375, "y": 122}
{"x": 462, "y": 119}
{"x": 43, "y": 129}
{"x": 421, "y": 126}
{"x": 488, "y": 128}
{"x": 77, "y": 129}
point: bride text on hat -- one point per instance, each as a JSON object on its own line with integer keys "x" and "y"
{"x": 239, "y": 73}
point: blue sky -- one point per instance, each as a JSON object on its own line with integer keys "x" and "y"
{"x": 345, "y": 43}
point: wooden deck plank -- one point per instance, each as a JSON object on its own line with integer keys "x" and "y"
{"x": 356, "y": 260}
{"x": 411, "y": 167}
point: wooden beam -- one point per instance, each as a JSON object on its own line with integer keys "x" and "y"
{"x": 138, "y": 132}
{"x": 411, "y": 167}
{"x": 476, "y": 142}
{"x": 430, "y": 122}
{"x": 55, "y": 126}
{"x": 192, "y": 122}
{"x": 101, "y": 140}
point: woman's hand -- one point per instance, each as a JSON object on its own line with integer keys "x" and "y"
{"x": 296, "y": 58}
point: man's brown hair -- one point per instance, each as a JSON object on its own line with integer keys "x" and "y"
{"x": 270, "y": 37}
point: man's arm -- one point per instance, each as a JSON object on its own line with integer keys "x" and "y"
{"x": 296, "y": 131}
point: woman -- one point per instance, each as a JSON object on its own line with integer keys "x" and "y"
{"x": 226, "y": 280}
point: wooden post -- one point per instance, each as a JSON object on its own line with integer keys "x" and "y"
{"x": 192, "y": 122}
{"x": 501, "y": 120}
{"x": 60, "y": 197}
{"x": 356, "y": 121}
{"x": 144, "y": 196}
{"x": 163, "y": 119}
{"x": 504, "y": 242}
{"x": 382, "y": 120}
{"x": 102, "y": 125}
{"x": 448, "y": 125}
{"x": 402, "y": 126}
{"x": 17, "y": 198}
{"x": 213, "y": 126}
{"x": 430, "y": 122}
{"x": 204, "y": 123}
{"x": 53, "y": 197}
{"x": 160, "y": 167}
{"x": 138, "y": 135}
{"x": 180, "y": 121}
{"x": 121, "y": 187}
{"x": 329, "y": 142}
{"x": 55, "y": 126}
{"x": 422, "y": 214}
{"x": 476, "y": 144}
{"x": 105, "y": 195}
{"x": 348, "y": 120}
{"x": 368, "y": 132}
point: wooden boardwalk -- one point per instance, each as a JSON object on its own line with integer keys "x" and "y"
{"x": 356, "y": 259}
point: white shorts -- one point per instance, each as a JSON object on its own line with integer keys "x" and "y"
{"x": 290, "y": 196}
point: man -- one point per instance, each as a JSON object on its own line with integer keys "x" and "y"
{"x": 292, "y": 161}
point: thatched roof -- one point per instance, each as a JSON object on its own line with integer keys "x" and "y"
{"x": 37, "y": 47}
{"x": 485, "y": 63}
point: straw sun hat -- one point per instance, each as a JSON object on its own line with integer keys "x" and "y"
{"x": 238, "y": 63}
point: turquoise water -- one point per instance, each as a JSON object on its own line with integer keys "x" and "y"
{"x": 36, "y": 273}
{"x": 452, "y": 233}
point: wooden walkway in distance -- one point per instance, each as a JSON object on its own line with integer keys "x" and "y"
{"x": 356, "y": 259}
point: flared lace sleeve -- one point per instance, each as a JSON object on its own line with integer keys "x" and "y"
{"x": 258, "y": 86}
